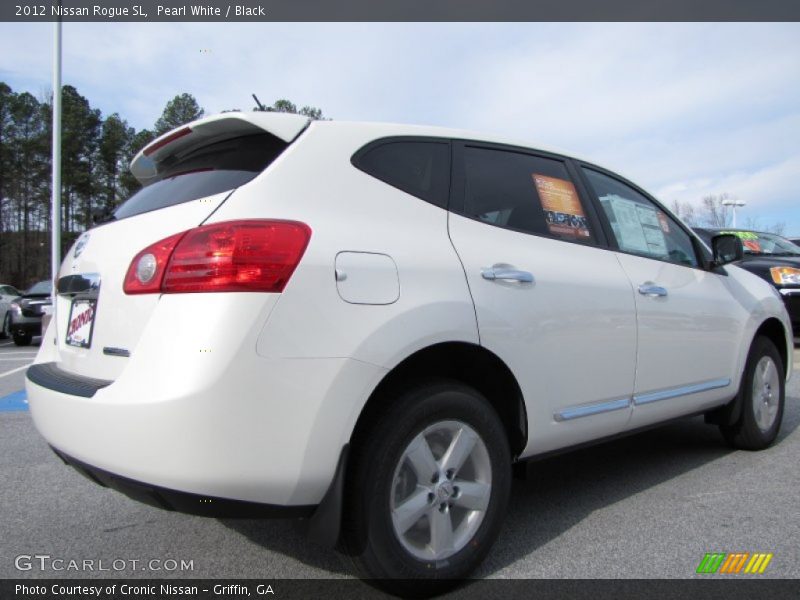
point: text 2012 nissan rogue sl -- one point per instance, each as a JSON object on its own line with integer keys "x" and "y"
{"x": 367, "y": 324}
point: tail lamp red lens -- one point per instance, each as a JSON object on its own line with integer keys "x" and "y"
{"x": 233, "y": 256}
{"x": 140, "y": 279}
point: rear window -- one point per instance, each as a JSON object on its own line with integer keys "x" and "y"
{"x": 418, "y": 167}
{"x": 204, "y": 171}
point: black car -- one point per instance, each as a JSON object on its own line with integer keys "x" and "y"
{"x": 771, "y": 257}
{"x": 27, "y": 310}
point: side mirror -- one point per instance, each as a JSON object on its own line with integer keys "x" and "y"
{"x": 727, "y": 248}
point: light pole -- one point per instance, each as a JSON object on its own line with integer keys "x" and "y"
{"x": 734, "y": 203}
{"x": 55, "y": 198}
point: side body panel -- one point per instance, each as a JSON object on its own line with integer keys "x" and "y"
{"x": 569, "y": 336}
{"x": 688, "y": 340}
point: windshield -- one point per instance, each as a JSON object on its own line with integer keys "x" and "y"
{"x": 758, "y": 243}
{"x": 43, "y": 287}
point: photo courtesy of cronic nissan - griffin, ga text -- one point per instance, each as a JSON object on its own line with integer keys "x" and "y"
{"x": 368, "y": 324}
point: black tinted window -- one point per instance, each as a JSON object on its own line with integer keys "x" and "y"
{"x": 203, "y": 172}
{"x": 639, "y": 225}
{"x": 420, "y": 168}
{"x": 523, "y": 192}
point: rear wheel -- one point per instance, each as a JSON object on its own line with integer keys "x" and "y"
{"x": 763, "y": 392}
{"x": 21, "y": 338}
{"x": 429, "y": 484}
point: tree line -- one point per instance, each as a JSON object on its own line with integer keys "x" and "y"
{"x": 715, "y": 211}
{"x": 96, "y": 179}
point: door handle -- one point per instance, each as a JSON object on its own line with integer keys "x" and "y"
{"x": 652, "y": 290}
{"x": 494, "y": 274}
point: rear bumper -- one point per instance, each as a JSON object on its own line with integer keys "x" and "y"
{"x": 264, "y": 431}
{"x": 51, "y": 377}
{"x": 194, "y": 504}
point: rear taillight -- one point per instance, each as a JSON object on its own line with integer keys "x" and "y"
{"x": 234, "y": 256}
{"x": 147, "y": 268}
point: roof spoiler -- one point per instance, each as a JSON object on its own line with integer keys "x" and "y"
{"x": 208, "y": 130}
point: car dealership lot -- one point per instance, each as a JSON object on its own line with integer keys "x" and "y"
{"x": 650, "y": 505}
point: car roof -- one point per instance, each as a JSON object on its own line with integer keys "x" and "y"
{"x": 288, "y": 125}
{"x": 387, "y": 129}
{"x": 379, "y": 129}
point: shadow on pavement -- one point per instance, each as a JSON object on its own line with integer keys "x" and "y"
{"x": 559, "y": 491}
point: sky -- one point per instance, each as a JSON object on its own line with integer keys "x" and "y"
{"x": 683, "y": 109}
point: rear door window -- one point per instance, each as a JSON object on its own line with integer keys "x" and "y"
{"x": 523, "y": 192}
{"x": 204, "y": 171}
{"x": 418, "y": 167}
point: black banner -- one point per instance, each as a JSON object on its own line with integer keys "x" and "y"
{"x": 707, "y": 588}
{"x": 399, "y": 10}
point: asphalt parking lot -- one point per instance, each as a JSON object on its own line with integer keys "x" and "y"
{"x": 647, "y": 506}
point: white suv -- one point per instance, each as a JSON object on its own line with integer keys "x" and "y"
{"x": 368, "y": 324}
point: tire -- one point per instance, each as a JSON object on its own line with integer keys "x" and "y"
{"x": 5, "y": 330}
{"x": 763, "y": 395}
{"x": 388, "y": 475}
{"x": 22, "y": 338}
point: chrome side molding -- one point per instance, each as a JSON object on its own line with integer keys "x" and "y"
{"x": 586, "y": 410}
{"x": 684, "y": 390}
{"x": 596, "y": 408}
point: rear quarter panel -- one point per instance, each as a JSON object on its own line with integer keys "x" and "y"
{"x": 350, "y": 211}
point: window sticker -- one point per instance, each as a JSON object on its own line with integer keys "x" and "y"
{"x": 662, "y": 219}
{"x": 636, "y": 226}
{"x": 562, "y": 207}
{"x": 753, "y": 245}
{"x": 749, "y": 239}
{"x": 745, "y": 235}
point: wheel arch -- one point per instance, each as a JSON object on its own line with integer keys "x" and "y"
{"x": 775, "y": 331}
{"x": 468, "y": 363}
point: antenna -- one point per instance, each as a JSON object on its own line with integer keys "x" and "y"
{"x": 258, "y": 103}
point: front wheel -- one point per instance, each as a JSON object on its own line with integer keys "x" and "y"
{"x": 429, "y": 485}
{"x": 763, "y": 394}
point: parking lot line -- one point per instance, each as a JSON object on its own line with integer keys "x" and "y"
{"x": 15, "y": 402}
{"x": 15, "y": 370}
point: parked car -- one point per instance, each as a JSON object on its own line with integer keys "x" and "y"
{"x": 367, "y": 324}
{"x": 773, "y": 258}
{"x": 8, "y": 293}
{"x": 25, "y": 314}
